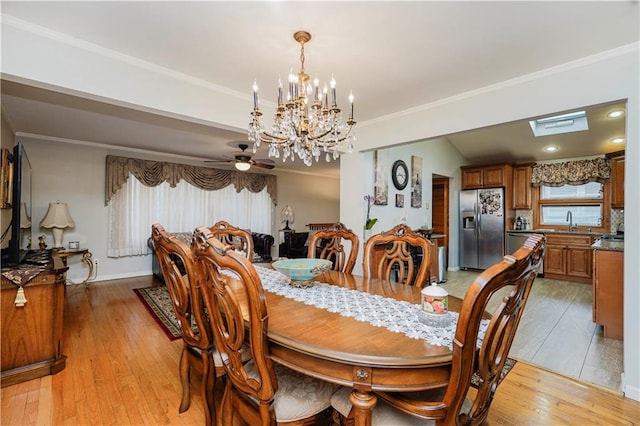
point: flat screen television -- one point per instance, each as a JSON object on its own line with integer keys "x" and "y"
{"x": 20, "y": 208}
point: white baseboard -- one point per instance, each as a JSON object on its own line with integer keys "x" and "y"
{"x": 631, "y": 392}
{"x": 79, "y": 280}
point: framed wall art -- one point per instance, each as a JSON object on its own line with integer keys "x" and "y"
{"x": 6, "y": 190}
{"x": 381, "y": 182}
{"x": 399, "y": 200}
{"x": 416, "y": 181}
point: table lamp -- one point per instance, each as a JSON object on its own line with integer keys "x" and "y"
{"x": 287, "y": 216}
{"x": 58, "y": 218}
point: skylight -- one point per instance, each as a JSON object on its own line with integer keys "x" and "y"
{"x": 564, "y": 123}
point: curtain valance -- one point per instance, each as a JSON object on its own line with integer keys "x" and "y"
{"x": 576, "y": 172}
{"x": 153, "y": 173}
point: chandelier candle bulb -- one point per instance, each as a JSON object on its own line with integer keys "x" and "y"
{"x": 333, "y": 90}
{"x": 351, "y": 102}
{"x": 316, "y": 83}
{"x": 255, "y": 94}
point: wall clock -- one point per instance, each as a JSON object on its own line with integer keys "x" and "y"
{"x": 400, "y": 174}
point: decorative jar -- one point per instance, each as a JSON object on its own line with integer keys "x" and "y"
{"x": 435, "y": 300}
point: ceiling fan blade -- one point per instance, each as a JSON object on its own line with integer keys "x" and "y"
{"x": 263, "y": 165}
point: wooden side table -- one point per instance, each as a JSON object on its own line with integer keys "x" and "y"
{"x": 87, "y": 259}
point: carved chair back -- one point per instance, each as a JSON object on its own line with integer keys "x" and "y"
{"x": 517, "y": 272}
{"x": 333, "y": 247}
{"x": 399, "y": 252}
{"x": 240, "y": 239}
{"x": 189, "y": 308}
{"x": 248, "y": 394}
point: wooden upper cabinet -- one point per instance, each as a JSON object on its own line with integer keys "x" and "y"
{"x": 486, "y": 176}
{"x": 617, "y": 179}
{"x": 522, "y": 187}
{"x": 471, "y": 177}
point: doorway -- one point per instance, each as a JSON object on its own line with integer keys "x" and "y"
{"x": 440, "y": 209}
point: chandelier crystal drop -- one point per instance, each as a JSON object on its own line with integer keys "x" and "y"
{"x": 307, "y": 122}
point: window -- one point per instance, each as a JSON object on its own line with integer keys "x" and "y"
{"x": 580, "y": 205}
{"x": 135, "y": 207}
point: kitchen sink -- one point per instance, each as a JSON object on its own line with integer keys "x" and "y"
{"x": 614, "y": 237}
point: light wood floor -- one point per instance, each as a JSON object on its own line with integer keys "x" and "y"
{"x": 122, "y": 370}
{"x": 557, "y": 331}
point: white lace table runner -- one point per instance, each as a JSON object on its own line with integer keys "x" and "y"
{"x": 394, "y": 315}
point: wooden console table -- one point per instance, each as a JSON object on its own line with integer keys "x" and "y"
{"x": 31, "y": 344}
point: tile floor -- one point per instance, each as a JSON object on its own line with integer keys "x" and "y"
{"x": 556, "y": 331}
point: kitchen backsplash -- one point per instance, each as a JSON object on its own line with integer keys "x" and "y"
{"x": 617, "y": 217}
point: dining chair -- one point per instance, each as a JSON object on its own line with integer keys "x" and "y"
{"x": 258, "y": 392}
{"x": 240, "y": 239}
{"x": 486, "y": 358}
{"x": 399, "y": 254}
{"x": 198, "y": 350}
{"x": 328, "y": 244}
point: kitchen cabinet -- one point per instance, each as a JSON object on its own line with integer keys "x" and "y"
{"x": 32, "y": 331}
{"x": 617, "y": 179}
{"x": 607, "y": 291}
{"x": 522, "y": 187}
{"x": 568, "y": 257}
{"x": 491, "y": 176}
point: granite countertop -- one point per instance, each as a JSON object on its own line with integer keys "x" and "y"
{"x": 553, "y": 231}
{"x": 608, "y": 245}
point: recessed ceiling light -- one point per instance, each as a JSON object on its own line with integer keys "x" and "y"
{"x": 617, "y": 140}
{"x": 551, "y": 148}
{"x": 615, "y": 113}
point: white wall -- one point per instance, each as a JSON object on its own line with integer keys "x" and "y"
{"x": 438, "y": 157}
{"x": 608, "y": 77}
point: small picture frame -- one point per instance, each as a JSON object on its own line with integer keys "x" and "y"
{"x": 74, "y": 245}
{"x": 399, "y": 200}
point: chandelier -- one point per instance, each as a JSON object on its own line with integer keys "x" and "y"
{"x": 305, "y": 124}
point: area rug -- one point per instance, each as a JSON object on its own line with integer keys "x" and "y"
{"x": 508, "y": 365}
{"x": 156, "y": 300}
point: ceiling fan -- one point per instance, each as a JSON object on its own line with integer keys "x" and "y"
{"x": 243, "y": 161}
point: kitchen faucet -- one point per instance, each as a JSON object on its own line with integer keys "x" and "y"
{"x": 570, "y": 220}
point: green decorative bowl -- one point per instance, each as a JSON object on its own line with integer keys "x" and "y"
{"x": 302, "y": 271}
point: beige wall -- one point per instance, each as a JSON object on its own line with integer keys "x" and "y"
{"x": 6, "y": 141}
{"x": 75, "y": 173}
{"x": 312, "y": 198}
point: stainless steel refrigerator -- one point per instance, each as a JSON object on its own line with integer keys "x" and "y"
{"x": 481, "y": 227}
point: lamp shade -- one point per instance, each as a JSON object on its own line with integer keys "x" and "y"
{"x": 25, "y": 220}
{"x": 58, "y": 216}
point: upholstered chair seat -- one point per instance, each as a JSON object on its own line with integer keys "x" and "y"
{"x": 384, "y": 415}
{"x": 298, "y": 396}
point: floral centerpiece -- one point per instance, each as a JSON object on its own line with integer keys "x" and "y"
{"x": 370, "y": 199}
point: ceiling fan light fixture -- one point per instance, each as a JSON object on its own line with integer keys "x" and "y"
{"x": 242, "y": 166}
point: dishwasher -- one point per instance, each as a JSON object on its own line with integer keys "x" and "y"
{"x": 515, "y": 240}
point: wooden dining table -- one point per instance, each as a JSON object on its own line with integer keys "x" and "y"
{"x": 353, "y": 353}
